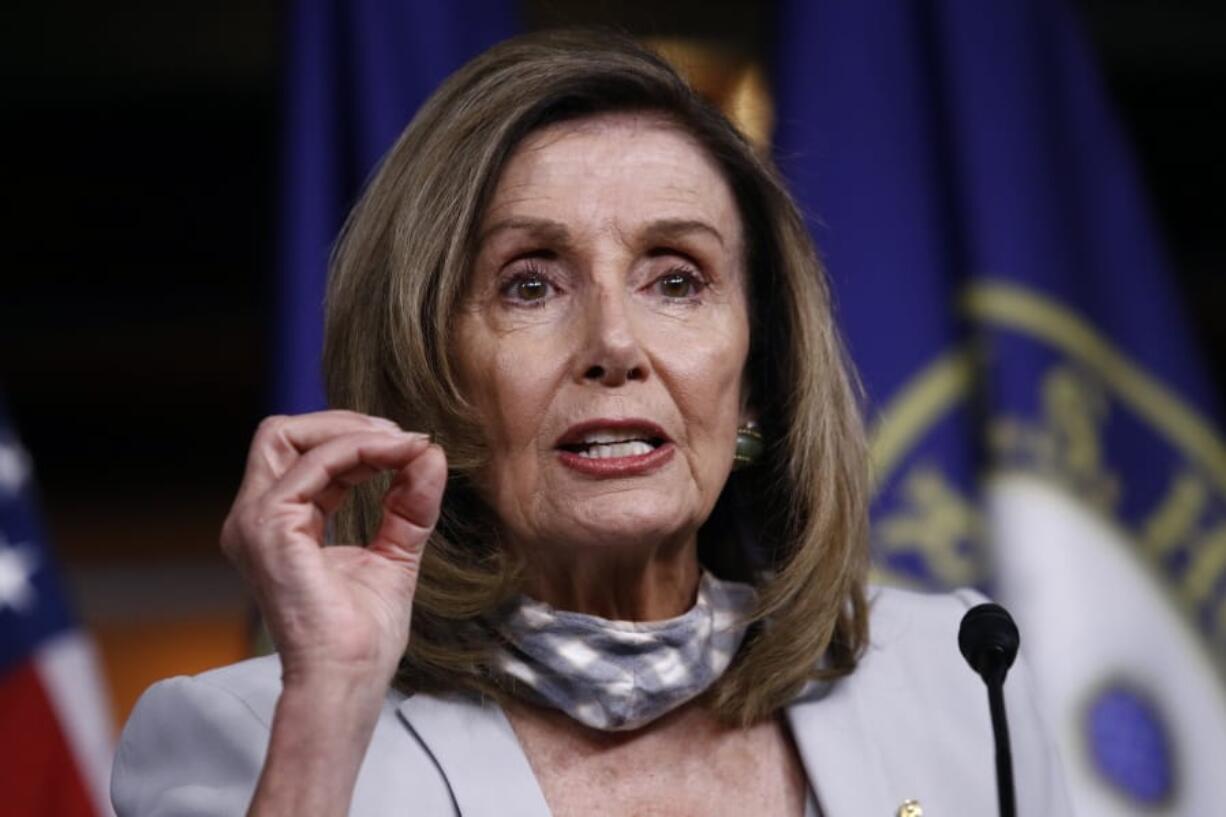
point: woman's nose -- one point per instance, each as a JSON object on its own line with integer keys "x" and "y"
{"x": 612, "y": 353}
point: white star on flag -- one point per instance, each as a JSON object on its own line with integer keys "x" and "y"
{"x": 14, "y": 467}
{"x": 17, "y": 565}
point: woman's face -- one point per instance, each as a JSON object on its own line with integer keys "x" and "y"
{"x": 604, "y": 336}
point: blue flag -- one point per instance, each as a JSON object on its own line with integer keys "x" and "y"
{"x": 1041, "y": 422}
{"x": 357, "y": 73}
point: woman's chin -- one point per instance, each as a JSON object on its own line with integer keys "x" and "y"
{"x": 629, "y": 521}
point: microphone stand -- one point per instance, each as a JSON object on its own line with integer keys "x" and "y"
{"x": 988, "y": 639}
{"x": 1007, "y": 801}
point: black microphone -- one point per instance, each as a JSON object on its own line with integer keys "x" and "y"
{"x": 989, "y": 640}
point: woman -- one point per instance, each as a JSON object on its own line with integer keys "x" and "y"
{"x": 594, "y": 296}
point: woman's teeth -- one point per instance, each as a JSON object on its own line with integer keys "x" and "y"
{"x": 600, "y": 451}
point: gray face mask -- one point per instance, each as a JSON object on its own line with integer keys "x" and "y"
{"x": 620, "y": 675}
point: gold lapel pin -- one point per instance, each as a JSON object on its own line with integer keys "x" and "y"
{"x": 910, "y": 808}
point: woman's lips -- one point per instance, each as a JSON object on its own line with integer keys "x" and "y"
{"x": 620, "y": 447}
{"x": 630, "y": 466}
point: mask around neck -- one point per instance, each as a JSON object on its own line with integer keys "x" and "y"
{"x": 622, "y": 675}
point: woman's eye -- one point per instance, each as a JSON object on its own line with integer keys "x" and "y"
{"x": 679, "y": 284}
{"x": 527, "y": 288}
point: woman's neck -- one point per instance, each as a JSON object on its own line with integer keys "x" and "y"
{"x": 615, "y": 584}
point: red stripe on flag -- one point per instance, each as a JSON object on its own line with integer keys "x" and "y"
{"x": 38, "y": 772}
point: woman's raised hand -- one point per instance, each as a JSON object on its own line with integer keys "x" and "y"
{"x": 339, "y": 615}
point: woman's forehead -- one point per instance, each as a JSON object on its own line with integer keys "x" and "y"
{"x": 616, "y": 171}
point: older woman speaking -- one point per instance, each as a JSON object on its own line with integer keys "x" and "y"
{"x": 572, "y": 301}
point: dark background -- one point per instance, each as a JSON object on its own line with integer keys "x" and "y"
{"x": 141, "y": 180}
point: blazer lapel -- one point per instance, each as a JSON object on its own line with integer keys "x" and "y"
{"x": 843, "y": 764}
{"x": 478, "y": 754}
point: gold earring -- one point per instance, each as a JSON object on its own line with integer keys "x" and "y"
{"x": 750, "y": 446}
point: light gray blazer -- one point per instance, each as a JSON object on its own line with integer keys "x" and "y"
{"x": 910, "y": 723}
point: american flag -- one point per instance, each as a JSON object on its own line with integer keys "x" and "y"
{"x": 55, "y": 729}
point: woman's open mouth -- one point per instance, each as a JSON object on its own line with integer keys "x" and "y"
{"x": 614, "y": 448}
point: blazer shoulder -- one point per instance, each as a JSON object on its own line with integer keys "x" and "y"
{"x": 916, "y": 683}
{"x": 195, "y": 745}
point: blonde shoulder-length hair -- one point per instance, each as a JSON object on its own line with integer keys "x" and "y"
{"x": 795, "y": 524}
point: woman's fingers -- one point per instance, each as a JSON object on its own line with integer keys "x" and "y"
{"x": 345, "y": 460}
{"x": 411, "y": 509}
{"x": 312, "y": 488}
{"x": 280, "y": 441}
